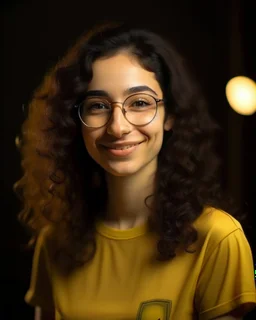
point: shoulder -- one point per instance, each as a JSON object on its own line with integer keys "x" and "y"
{"x": 216, "y": 220}
{"x": 214, "y": 225}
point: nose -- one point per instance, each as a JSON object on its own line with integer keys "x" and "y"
{"x": 118, "y": 125}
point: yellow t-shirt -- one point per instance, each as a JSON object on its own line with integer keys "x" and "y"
{"x": 124, "y": 281}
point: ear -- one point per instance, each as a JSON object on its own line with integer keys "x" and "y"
{"x": 168, "y": 124}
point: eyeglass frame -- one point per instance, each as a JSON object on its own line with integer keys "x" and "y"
{"x": 78, "y": 106}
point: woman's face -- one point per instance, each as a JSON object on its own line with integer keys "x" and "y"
{"x": 116, "y": 77}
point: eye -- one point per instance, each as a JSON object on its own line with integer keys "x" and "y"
{"x": 98, "y": 106}
{"x": 93, "y": 105}
{"x": 139, "y": 103}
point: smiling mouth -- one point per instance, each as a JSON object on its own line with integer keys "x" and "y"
{"x": 123, "y": 148}
{"x": 121, "y": 151}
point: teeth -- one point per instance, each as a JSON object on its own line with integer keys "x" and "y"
{"x": 126, "y": 147}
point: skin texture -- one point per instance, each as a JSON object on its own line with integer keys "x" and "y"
{"x": 130, "y": 179}
{"x": 115, "y": 75}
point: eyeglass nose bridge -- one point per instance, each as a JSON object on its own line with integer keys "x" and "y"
{"x": 118, "y": 103}
{"x": 120, "y": 107}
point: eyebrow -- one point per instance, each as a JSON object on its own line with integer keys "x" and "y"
{"x": 103, "y": 93}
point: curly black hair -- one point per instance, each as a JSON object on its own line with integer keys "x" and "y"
{"x": 58, "y": 186}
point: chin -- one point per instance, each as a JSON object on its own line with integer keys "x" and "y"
{"x": 121, "y": 173}
{"x": 122, "y": 170}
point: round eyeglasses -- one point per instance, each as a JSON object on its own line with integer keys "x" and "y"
{"x": 139, "y": 109}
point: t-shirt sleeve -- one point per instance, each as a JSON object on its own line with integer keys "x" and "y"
{"x": 40, "y": 290}
{"x": 226, "y": 281}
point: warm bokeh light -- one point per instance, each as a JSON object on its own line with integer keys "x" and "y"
{"x": 241, "y": 95}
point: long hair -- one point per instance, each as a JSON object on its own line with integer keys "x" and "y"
{"x": 58, "y": 186}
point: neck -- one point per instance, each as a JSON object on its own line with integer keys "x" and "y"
{"x": 126, "y": 198}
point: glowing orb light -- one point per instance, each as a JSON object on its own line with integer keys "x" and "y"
{"x": 241, "y": 95}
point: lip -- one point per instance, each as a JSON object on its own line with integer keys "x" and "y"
{"x": 119, "y": 152}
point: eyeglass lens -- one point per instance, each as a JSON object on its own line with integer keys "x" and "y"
{"x": 139, "y": 109}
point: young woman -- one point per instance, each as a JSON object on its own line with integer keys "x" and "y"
{"x": 122, "y": 193}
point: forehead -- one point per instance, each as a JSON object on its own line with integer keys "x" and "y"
{"x": 117, "y": 73}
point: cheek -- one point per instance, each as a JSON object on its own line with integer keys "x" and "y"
{"x": 155, "y": 132}
{"x": 158, "y": 142}
{"x": 159, "y": 134}
{"x": 154, "y": 143}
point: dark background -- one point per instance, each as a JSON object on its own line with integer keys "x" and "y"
{"x": 215, "y": 36}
